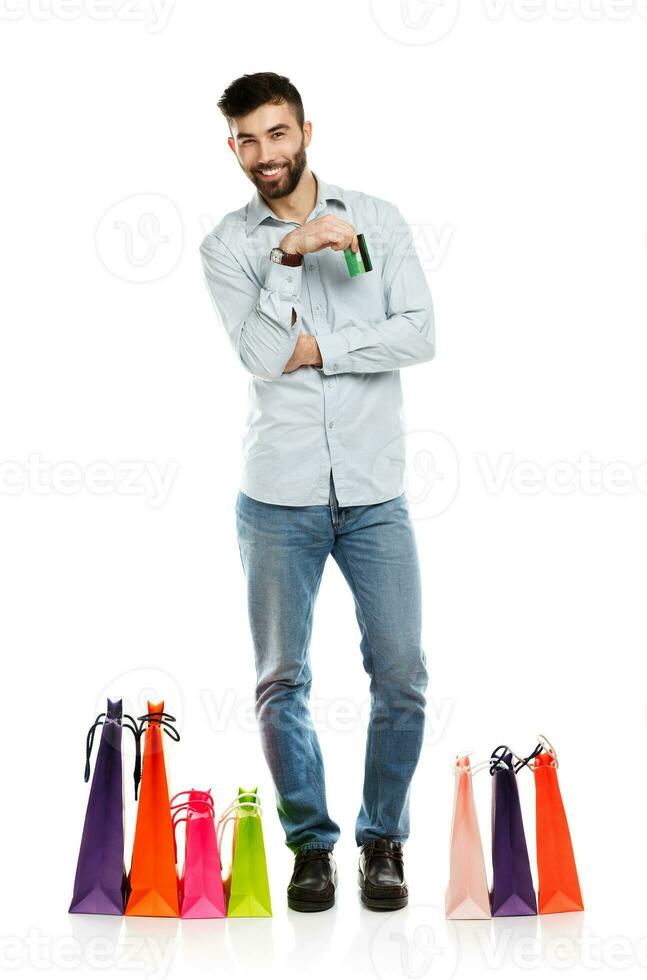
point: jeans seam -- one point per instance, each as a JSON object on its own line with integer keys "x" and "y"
{"x": 374, "y": 674}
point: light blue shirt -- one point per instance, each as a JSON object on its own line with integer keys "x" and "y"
{"x": 347, "y": 415}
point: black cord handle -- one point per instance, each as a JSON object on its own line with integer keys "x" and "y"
{"x": 163, "y": 719}
{"x": 89, "y": 742}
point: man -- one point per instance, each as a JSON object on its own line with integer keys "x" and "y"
{"x": 323, "y": 472}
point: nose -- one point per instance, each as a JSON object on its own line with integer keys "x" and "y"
{"x": 267, "y": 156}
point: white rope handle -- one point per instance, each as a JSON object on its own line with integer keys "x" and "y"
{"x": 220, "y": 829}
{"x": 473, "y": 769}
{"x": 477, "y": 767}
{"x": 231, "y": 812}
{"x": 549, "y": 748}
{"x": 515, "y": 755}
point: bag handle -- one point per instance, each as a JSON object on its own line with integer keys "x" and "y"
{"x": 232, "y": 811}
{"x": 186, "y": 807}
{"x": 472, "y": 769}
{"x": 189, "y": 808}
{"x": 543, "y": 746}
{"x": 498, "y": 761}
{"x": 163, "y": 719}
{"x": 89, "y": 743}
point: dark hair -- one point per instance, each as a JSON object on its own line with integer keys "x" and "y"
{"x": 251, "y": 91}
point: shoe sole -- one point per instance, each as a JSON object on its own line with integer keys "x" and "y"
{"x": 298, "y": 905}
{"x": 306, "y": 905}
{"x": 386, "y": 904}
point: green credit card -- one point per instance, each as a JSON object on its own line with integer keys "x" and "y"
{"x": 360, "y": 261}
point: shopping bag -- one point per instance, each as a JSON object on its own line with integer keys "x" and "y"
{"x": 467, "y": 895}
{"x": 512, "y": 888}
{"x": 246, "y": 886}
{"x": 100, "y": 881}
{"x": 201, "y": 890}
{"x": 152, "y": 882}
{"x": 559, "y": 886}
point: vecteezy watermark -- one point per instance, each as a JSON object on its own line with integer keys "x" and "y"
{"x": 341, "y": 715}
{"x": 403, "y": 240}
{"x": 140, "y": 685}
{"x": 415, "y": 942}
{"x": 140, "y": 239}
{"x": 562, "y": 951}
{"x": 429, "y": 242}
{"x": 420, "y": 22}
{"x": 136, "y": 689}
{"x": 584, "y": 475}
{"x": 146, "y": 479}
{"x": 431, "y": 471}
{"x": 565, "y": 10}
{"x": 415, "y": 22}
{"x": 149, "y": 955}
{"x": 154, "y": 14}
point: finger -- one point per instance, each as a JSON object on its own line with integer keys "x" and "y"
{"x": 349, "y": 233}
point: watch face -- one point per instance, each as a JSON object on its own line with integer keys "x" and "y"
{"x": 285, "y": 258}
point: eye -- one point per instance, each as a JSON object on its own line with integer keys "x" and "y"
{"x": 278, "y": 134}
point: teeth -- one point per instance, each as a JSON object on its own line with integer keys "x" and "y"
{"x": 269, "y": 173}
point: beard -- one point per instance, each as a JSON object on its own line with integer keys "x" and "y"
{"x": 289, "y": 178}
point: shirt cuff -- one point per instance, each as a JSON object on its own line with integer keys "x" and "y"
{"x": 284, "y": 279}
{"x": 334, "y": 353}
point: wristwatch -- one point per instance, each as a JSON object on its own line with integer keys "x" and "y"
{"x": 285, "y": 258}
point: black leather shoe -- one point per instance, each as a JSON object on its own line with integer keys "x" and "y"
{"x": 314, "y": 880}
{"x": 381, "y": 875}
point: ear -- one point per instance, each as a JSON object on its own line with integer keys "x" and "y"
{"x": 307, "y": 133}
{"x": 232, "y": 145}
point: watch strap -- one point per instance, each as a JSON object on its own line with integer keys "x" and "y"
{"x": 290, "y": 258}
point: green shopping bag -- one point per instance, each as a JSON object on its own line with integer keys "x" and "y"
{"x": 247, "y": 889}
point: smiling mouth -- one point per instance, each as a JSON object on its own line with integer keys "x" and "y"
{"x": 270, "y": 173}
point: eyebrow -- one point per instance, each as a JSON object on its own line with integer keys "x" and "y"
{"x": 272, "y": 129}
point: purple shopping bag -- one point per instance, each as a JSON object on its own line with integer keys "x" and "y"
{"x": 512, "y": 888}
{"x": 99, "y": 885}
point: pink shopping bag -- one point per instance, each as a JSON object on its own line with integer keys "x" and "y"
{"x": 467, "y": 895}
{"x": 201, "y": 889}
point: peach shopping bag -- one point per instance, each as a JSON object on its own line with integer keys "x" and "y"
{"x": 467, "y": 895}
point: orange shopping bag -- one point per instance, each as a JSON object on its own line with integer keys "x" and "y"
{"x": 152, "y": 881}
{"x": 559, "y": 886}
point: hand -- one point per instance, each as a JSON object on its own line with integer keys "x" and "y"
{"x": 325, "y": 232}
{"x": 306, "y": 352}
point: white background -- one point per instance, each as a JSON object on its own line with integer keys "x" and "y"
{"x": 513, "y": 139}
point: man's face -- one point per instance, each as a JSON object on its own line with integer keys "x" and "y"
{"x": 271, "y": 148}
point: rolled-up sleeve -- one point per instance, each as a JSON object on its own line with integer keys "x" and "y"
{"x": 258, "y": 322}
{"x": 407, "y": 335}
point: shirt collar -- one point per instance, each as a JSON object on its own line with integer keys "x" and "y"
{"x": 258, "y": 209}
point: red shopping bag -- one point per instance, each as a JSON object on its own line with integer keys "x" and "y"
{"x": 153, "y": 876}
{"x": 559, "y": 886}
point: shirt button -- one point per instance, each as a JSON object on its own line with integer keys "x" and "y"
{"x": 330, "y": 384}
{"x": 311, "y": 267}
{"x": 330, "y": 425}
{"x": 335, "y": 366}
{"x": 289, "y": 279}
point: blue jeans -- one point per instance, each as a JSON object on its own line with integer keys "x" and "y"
{"x": 283, "y": 552}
